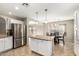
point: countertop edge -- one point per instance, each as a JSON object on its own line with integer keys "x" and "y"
{"x": 5, "y": 37}
{"x": 42, "y": 39}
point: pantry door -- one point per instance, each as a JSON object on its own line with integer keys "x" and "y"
{"x": 76, "y": 33}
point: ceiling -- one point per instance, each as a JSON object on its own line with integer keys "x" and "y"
{"x": 56, "y": 11}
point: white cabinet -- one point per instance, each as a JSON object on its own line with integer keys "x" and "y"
{"x": 8, "y": 23}
{"x": 5, "y": 43}
{"x": 34, "y": 44}
{"x": 8, "y": 43}
{"x": 2, "y": 44}
{"x": 42, "y": 47}
{"x": 45, "y": 47}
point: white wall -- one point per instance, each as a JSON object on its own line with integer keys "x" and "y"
{"x": 69, "y": 38}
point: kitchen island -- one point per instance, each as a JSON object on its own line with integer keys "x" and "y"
{"x": 41, "y": 44}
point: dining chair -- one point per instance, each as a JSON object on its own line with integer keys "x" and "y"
{"x": 56, "y": 34}
{"x": 61, "y": 37}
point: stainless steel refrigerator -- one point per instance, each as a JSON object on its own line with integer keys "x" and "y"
{"x": 24, "y": 34}
{"x": 19, "y": 33}
{"x": 16, "y": 33}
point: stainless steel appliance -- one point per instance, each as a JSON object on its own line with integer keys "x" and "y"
{"x": 24, "y": 34}
{"x": 16, "y": 32}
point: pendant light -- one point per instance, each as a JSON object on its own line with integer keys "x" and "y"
{"x": 46, "y": 14}
{"x": 36, "y": 15}
{"x": 46, "y": 19}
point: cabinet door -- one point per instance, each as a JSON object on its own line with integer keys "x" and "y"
{"x": 34, "y": 44}
{"x": 8, "y": 43}
{"x": 1, "y": 45}
{"x": 45, "y": 47}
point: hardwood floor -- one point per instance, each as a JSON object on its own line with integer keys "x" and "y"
{"x": 63, "y": 51}
{"x": 26, "y": 51}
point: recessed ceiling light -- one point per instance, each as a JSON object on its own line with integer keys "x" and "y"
{"x": 10, "y": 13}
{"x": 16, "y": 8}
{"x": 25, "y": 4}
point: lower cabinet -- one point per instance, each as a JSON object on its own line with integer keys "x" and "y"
{"x": 2, "y": 45}
{"x": 42, "y": 47}
{"x": 45, "y": 47}
{"x": 8, "y": 43}
{"x": 34, "y": 44}
{"x": 5, "y": 44}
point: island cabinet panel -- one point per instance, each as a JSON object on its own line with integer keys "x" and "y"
{"x": 45, "y": 47}
{"x": 34, "y": 44}
{"x": 42, "y": 47}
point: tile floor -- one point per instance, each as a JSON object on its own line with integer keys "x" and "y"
{"x": 26, "y": 51}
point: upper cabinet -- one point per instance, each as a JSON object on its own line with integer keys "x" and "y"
{"x": 8, "y": 23}
{"x": 5, "y": 24}
{"x": 2, "y": 26}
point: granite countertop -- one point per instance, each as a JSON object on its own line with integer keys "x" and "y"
{"x": 42, "y": 37}
{"x": 3, "y": 36}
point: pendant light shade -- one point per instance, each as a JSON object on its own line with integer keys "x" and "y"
{"x": 46, "y": 10}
